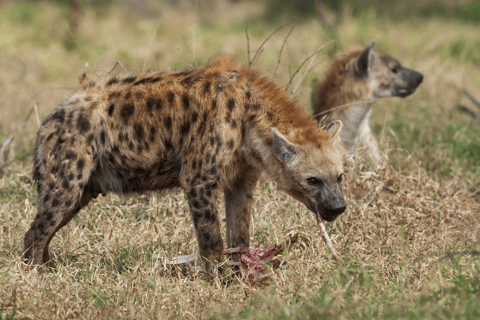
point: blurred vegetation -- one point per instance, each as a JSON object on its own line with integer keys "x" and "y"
{"x": 468, "y": 11}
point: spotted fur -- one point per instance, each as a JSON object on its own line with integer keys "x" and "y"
{"x": 204, "y": 129}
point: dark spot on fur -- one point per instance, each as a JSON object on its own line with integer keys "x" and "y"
{"x": 102, "y": 136}
{"x": 121, "y": 136}
{"x": 70, "y": 177}
{"x": 153, "y": 131}
{"x": 55, "y": 203}
{"x": 113, "y": 96}
{"x": 193, "y": 193}
{"x": 68, "y": 203}
{"x": 89, "y": 139}
{"x": 194, "y": 117}
{"x": 210, "y": 217}
{"x": 65, "y": 184}
{"x": 231, "y": 104}
{"x": 153, "y": 103}
{"x": 200, "y": 163}
{"x": 82, "y": 122}
{"x": 50, "y": 136}
{"x": 80, "y": 164}
{"x": 111, "y": 108}
{"x": 127, "y": 111}
{"x": 58, "y": 114}
{"x": 185, "y": 128}
{"x": 112, "y": 81}
{"x": 213, "y": 171}
{"x": 186, "y": 102}
{"x": 206, "y": 87}
{"x": 168, "y": 122}
{"x": 168, "y": 145}
{"x": 70, "y": 155}
{"x": 233, "y": 123}
{"x": 51, "y": 185}
{"x": 249, "y": 95}
{"x": 143, "y": 81}
{"x": 171, "y": 98}
{"x": 196, "y": 204}
{"x": 79, "y": 177}
{"x": 129, "y": 79}
{"x": 230, "y": 144}
{"x": 54, "y": 169}
{"x": 46, "y": 198}
{"x": 139, "y": 134}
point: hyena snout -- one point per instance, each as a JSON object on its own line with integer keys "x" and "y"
{"x": 335, "y": 207}
{"x": 411, "y": 80}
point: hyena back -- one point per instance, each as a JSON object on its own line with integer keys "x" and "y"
{"x": 203, "y": 129}
{"x": 353, "y": 83}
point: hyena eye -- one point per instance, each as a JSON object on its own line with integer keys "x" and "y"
{"x": 395, "y": 69}
{"x": 314, "y": 181}
{"x": 340, "y": 178}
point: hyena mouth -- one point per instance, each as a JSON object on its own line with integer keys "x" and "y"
{"x": 403, "y": 92}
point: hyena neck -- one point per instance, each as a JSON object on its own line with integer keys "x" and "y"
{"x": 337, "y": 97}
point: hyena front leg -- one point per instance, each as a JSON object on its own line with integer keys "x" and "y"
{"x": 238, "y": 203}
{"x": 369, "y": 145}
{"x": 202, "y": 198}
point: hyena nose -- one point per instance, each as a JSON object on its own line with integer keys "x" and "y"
{"x": 338, "y": 210}
{"x": 418, "y": 78}
{"x": 338, "y": 207}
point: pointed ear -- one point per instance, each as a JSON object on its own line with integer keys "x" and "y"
{"x": 334, "y": 127}
{"x": 363, "y": 59}
{"x": 283, "y": 150}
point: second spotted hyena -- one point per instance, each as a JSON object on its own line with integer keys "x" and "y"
{"x": 353, "y": 83}
{"x": 203, "y": 129}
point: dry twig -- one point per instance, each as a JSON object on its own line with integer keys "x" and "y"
{"x": 259, "y": 50}
{"x": 281, "y": 50}
{"x": 472, "y": 98}
{"x": 301, "y": 65}
{"x": 121, "y": 65}
{"x": 466, "y": 110}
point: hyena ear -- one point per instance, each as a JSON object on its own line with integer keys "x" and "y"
{"x": 283, "y": 149}
{"x": 334, "y": 127}
{"x": 363, "y": 59}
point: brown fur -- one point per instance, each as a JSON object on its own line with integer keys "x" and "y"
{"x": 355, "y": 80}
{"x": 203, "y": 129}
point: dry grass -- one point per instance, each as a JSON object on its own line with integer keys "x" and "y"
{"x": 401, "y": 238}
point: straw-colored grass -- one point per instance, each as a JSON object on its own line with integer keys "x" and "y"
{"x": 408, "y": 238}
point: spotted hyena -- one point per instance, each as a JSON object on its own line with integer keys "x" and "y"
{"x": 204, "y": 129}
{"x": 353, "y": 83}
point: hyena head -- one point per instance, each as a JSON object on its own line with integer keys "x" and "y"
{"x": 312, "y": 173}
{"x": 385, "y": 75}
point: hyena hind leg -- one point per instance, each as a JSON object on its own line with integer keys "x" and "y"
{"x": 55, "y": 209}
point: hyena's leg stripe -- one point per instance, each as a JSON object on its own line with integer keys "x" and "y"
{"x": 238, "y": 202}
{"x": 202, "y": 198}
